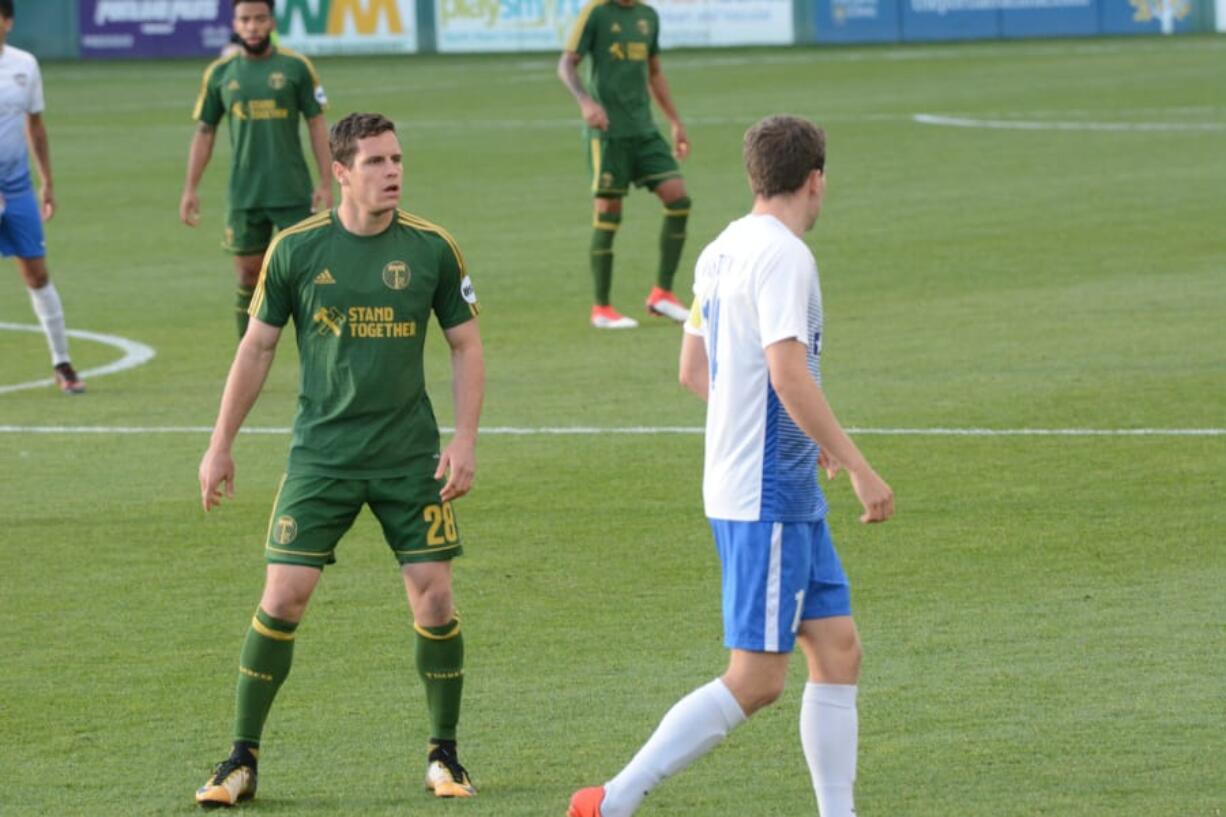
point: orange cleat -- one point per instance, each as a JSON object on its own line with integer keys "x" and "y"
{"x": 665, "y": 304}
{"x": 586, "y": 802}
{"x": 606, "y": 317}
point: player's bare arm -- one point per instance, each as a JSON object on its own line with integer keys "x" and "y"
{"x": 658, "y": 86}
{"x": 198, "y": 156}
{"x": 568, "y": 71}
{"x": 36, "y": 135}
{"x": 458, "y": 460}
{"x": 317, "y": 128}
{"x": 806, "y": 404}
{"x": 695, "y": 372}
{"x": 247, "y": 374}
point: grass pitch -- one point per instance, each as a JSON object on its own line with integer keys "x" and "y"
{"x": 1043, "y": 620}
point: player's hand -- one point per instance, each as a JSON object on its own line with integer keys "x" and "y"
{"x": 216, "y": 470}
{"x": 48, "y": 202}
{"x": 594, "y": 115}
{"x": 681, "y": 142}
{"x": 189, "y": 208}
{"x": 321, "y": 199}
{"x": 874, "y": 495}
{"x": 828, "y": 463}
{"x": 459, "y": 462}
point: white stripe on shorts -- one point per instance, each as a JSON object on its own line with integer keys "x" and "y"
{"x": 773, "y": 581}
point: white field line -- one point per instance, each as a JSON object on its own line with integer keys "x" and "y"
{"x": 1030, "y": 124}
{"x": 540, "y": 431}
{"x": 134, "y": 354}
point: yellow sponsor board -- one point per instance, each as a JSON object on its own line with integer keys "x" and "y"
{"x": 348, "y": 26}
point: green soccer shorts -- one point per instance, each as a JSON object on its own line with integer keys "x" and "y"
{"x": 250, "y": 231}
{"x": 616, "y": 163}
{"x": 311, "y": 514}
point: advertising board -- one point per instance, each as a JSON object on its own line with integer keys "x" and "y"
{"x": 320, "y": 27}
{"x": 132, "y": 29}
{"x": 543, "y": 25}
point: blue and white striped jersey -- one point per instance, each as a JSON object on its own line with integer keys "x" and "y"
{"x": 21, "y": 93}
{"x": 755, "y": 285}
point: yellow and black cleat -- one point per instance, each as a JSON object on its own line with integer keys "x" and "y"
{"x": 233, "y": 781}
{"x": 444, "y": 774}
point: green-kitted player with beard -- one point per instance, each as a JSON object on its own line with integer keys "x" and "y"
{"x": 263, "y": 88}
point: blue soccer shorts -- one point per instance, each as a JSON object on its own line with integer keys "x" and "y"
{"x": 775, "y": 575}
{"x": 21, "y": 227}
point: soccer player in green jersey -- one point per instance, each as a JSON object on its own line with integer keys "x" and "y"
{"x": 622, "y": 40}
{"x": 263, "y": 89}
{"x": 359, "y": 283}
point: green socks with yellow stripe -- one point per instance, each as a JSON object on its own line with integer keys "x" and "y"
{"x": 242, "y": 302}
{"x": 440, "y": 663}
{"x": 262, "y": 667}
{"x": 672, "y": 240}
{"x": 604, "y": 228}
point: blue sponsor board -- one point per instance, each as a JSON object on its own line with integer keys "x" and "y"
{"x": 1146, "y": 17}
{"x": 1059, "y": 18}
{"x": 950, "y": 20}
{"x": 868, "y": 21}
{"x": 858, "y": 21}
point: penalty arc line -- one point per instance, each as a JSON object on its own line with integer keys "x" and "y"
{"x": 134, "y": 354}
{"x": 521, "y": 431}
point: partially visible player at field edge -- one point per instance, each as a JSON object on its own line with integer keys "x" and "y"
{"x": 360, "y": 284}
{"x": 263, "y": 89}
{"x": 621, "y": 39}
{"x": 752, "y": 350}
{"x": 21, "y": 213}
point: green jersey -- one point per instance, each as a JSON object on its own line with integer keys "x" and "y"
{"x": 360, "y": 306}
{"x": 619, "y": 40}
{"x": 263, "y": 98}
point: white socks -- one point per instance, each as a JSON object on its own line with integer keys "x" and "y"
{"x": 46, "y": 302}
{"x": 828, "y": 733}
{"x": 694, "y": 726}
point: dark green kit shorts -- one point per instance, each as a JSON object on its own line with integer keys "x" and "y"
{"x": 616, "y": 163}
{"x": 249, "y": 232}
{"x": 311, "y": 514}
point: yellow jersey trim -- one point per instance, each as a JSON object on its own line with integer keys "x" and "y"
{"x": 316, "y": 82}
{"x": 407, "y": 219}
{"x": 204, "y": 84}
{"x": 310, "y": 223}
{"x": 695, "y": 321}
{"x": 576, "y": 33}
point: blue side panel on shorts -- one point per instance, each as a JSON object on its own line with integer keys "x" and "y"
{"x": 775, "y": 575}
{"x": 21, "y": 227}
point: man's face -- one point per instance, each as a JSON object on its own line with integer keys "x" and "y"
{"x": 373, "y": 183}
{"x": 253, "y": 23}
{"x": 6, "y": 25}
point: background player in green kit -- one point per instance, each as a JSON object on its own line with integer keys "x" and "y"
{"x": 263, "y": 89}
{"x": 622, "y": 39}
{"x": 360, "y": 284}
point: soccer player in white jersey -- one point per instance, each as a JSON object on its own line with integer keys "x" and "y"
{"x": 21, "y": 213}
{"x": 751, "y": 350}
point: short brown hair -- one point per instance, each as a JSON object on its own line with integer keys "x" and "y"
{"x": 343, "y": 140}
{"x": 780, "y": 153}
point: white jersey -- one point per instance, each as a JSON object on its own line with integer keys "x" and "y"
{"x": 755, "y": 285}
{"x": 21, "y": 93}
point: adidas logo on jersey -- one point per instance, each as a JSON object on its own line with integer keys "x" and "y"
{"x": 325, "y": 277}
